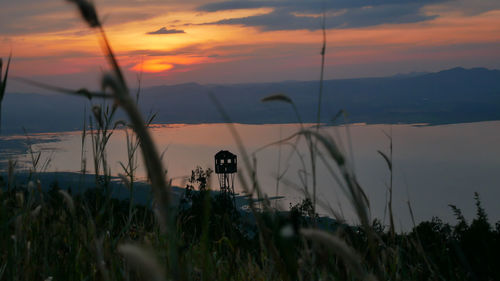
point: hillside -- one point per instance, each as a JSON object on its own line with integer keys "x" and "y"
{"x": 450, "y": 96}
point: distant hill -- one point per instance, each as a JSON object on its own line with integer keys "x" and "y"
{"x": 450, "y": 96}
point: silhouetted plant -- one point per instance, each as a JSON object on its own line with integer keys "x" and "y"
{"x": 55, "y": 235}
{"x": 198, "y": 199}
{"x": 3, "y": 85}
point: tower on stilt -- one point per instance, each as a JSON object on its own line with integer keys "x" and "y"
{"x": 225, "y": 168}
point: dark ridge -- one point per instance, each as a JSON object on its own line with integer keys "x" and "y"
{"x": 450, "y": 96}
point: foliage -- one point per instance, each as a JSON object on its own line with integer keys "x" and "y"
{"x": 44, "y": 235}
{"x": 92, "y": 236}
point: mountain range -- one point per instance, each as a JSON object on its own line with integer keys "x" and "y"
{"x": 451, "y": 96}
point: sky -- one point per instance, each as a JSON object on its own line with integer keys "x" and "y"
{"x": 244, "y": 41}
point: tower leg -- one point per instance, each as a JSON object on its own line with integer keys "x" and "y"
{"x": 232, "y": 190}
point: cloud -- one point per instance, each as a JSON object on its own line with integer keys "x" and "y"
{"x": 164, "y": 30}
{"x": 299, "y": 14}
{"x": 23, "y": 17}
{"x": 230, "y": 50}
{"x": 310, "y": 6}
{"x": 193, "y": 49}
{"x": 471, "y": 8}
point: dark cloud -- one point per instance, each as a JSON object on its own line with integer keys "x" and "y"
{"x": 164, "y": 30}
{"x": 309, "y": 6}
{"x": 58, "y": 57}
{"x": 199, "y": 50}
{"x": 194, "y": 49}
{"x": 294, "y": 14}
{"x": 230, "y": 50}
{"x": 24, "y": 17}
{"x": 113, "y": 18}
{"x": 472, "y": 8}
{"x": 35, "y": 16}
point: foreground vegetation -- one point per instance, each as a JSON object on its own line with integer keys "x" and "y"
{"x": 92, "y": 236}
{"x": 57, "y": 235}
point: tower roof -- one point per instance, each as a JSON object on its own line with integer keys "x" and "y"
{"x": 224, "y": 154}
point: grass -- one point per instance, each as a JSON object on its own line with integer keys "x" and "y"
{"x": 56, "y": 235}
{"x": 3, "y": 85}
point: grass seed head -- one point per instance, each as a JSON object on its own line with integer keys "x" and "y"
{"x": 68, "y": 200}
{"x": 125, "y": 180}
{"x": 20, "y": 199}
{"x": 277, "y": 97}
{"x": 97, "y": 111}
{"x": 88, "y": 12}
{"x": 142, "y": 261}
{"x": 31, "y": 185}
{"x": 287, "y": 231}
{"x": 36, "y": 211}
{"x": 109, "y": 80}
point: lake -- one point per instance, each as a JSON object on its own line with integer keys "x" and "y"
{"x": 433, "y": 166}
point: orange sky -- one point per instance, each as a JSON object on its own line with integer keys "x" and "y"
{"x": 54, "y": 45}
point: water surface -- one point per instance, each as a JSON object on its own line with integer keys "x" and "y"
{"x": 433, "y": 165}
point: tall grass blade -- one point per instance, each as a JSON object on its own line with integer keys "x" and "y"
{"x": 284, "y": 98}
{"x": 2, "y": 270}
{"x": 277, "y": 97}
{"x": 88, "y": 12}
{"x": 386, "y": 158}
{"x": 3, "y": 85}
{"x": 80, "y": 92}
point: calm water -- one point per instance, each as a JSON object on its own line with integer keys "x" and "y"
{"x": 433, "y": 165}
